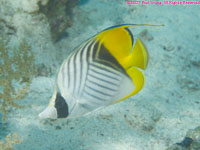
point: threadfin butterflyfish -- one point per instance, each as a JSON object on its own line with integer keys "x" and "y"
{"x": 103, "y": 70}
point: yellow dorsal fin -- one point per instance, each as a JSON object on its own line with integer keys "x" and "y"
{"x": 118, "y": 41}
{"x": 138, "y": 80}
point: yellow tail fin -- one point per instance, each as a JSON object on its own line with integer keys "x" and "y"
{"x": 138, "y": 57}
{"x": 117, "y": 40}
{"x": 138, "y": 80}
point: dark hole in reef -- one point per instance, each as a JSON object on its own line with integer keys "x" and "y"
{"x": 186, "y": 142}
{"x": 62, "y": 36}
{"x": 59, "y": 14}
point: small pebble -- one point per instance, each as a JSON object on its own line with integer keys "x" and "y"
{"x": 58, "y": 127}
{"x": 144, "y": 34}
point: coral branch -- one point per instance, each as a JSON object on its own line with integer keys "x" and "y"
{"x": 17, "y": 69}
{"x": 11, "y": 139}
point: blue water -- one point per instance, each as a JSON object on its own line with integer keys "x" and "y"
{"x": 157, "y": 117}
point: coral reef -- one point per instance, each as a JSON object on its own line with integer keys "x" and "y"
{"x": 17, "y": 69}
{"x": 59, "y": 14}
{"x": 11, "y": 139}
{"x": 6, "y": 28}
{"x": 190, "y": 142}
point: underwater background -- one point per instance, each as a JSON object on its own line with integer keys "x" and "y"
{"x": 37, "y": 35}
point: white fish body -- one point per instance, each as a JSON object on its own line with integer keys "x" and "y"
{"x": 102, "y": 71}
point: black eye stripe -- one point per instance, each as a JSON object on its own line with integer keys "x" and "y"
{"x": 61, "y": 106}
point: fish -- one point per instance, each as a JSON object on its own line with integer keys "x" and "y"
{"x": 105, "y": 69}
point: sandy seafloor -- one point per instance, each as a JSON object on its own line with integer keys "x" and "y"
{"x": 155, "y": 118}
